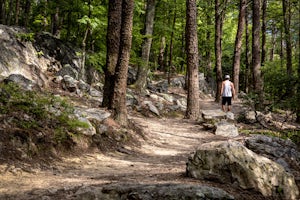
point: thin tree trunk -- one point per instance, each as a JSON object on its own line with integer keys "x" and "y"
{"x": 238, "y": 46}
{"x": 209, "y": 70}
{"x": 287, "y": 36}
{"x": 17, "y": 14}
{"x": 193, "y": 107}
{"x": 146, "y": 46}
{"x": 273, "y": 42}
{"x": 170, "y": 64}
{"x": 3, "y": 12}
{"x": 263, "y": 30}
{"x": 119, "y": 97}
{"x": 112, "y": 48}
{"x": 27, "y": 12}
{"x": 248, "y": 53}
{"x": 256, "y": 59}
{"x": 218, "y": 48}
{"x": 182, "y": 62}
{"x": 10, "y": 12}
{"x": 281, "y": 48}
{"x": 55, "y": 22}
{"x": 83, "y": 71}
{"x": 161, "y": 55}
{"x": 298, "y": 84}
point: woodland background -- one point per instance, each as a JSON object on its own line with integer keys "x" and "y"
{"x": 257, "y": 42}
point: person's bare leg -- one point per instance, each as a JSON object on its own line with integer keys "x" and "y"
{"x": 223, "y": 108}
{"x": 229, "y": 108}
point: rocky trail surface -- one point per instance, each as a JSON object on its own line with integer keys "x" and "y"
{"x": 160, "y": 158}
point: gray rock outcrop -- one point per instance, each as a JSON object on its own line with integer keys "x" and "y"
{"x": 151, "y": 192}
{"x": 284, "y": 152}
{"x": 231, "y": 162}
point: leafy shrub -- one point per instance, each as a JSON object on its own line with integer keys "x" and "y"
{"x": 279, "y": 87}
{"x": 25, "y": 37}
{"x": 38, "y": 111}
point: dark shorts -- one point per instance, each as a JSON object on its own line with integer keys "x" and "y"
{"x": 226, "y": 100}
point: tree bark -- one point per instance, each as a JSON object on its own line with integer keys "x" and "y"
{"x": 161, "y": 55}
{"x": 238, "y": 46}
{"x": 170, "y": 64}
{"x": 9, "y": 13}
{"x": 263, "y": 30}
{"x": 17, "y": 12}
{"x": 208, "y": 60}
{"x": 218, "y": 48}
{"x": 298, "y": 83}
{"x": 55, "y": 22}
{"x": 256, "y": 59}
{"x": 248, "y": 54}
{"x": 27, "y": 12}
{"x": 287, "y": 35}
{"x": 193, "y": 108}
{"x": 119, "y": 97}
{"x": 112, "y": 49}
{"x": 146, "y": 46}
{"x": 273, "y": 42}
{"x": 3, "y": 12}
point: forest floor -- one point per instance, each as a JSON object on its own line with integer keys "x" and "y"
{"x": 159, "y": 157}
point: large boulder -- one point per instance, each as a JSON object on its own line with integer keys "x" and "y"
{"x": 231, "y": 162}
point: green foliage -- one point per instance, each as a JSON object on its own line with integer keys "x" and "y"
{"x": 25, "y": 37}
{"x": 96, "y": 61}
{"x": 251, "y": 100}
{"x": 279, "y": 86}
{"x": 40, "y": 54}
{"x": 32, "y": 110}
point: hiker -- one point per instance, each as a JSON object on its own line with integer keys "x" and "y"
{"x": 227, "y": 92}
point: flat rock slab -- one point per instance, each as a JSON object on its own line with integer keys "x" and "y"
{"x": 213, "y": 114}
{"x": 152, "y": 192}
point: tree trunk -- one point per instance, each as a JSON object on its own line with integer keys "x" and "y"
{"x": 218, "y": 48}
{"x": 287, "y": 35}
{"x": 83, "y": 74}
{"x": 298, "y": 83}
{"x": 248, "y": 53}
{"x": 119, "y": 97}
{"x": 256, "y": 62}
{"x": 146, "y": 46}
{"x": 17, "y": 14}
{"x": 208, "y": 60}
{"x": 27, "y": 12}
{"x": 10, "y": 13}
{"x": 263, "y": 30}
{"x": 273, "y": 42}
{"x": 238, "y": 46}
{"x": 2, "y": 11}
{"x": 281, "y": 48}
{"x": 193, "y": 108}
{"x": 112, "y": 49}
{"x": 170, "y": 64}
{"x": 161, "y": 55}
{"x": 55, "y": 22}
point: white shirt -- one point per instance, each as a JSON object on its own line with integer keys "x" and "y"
{"x": 227, "y": 90}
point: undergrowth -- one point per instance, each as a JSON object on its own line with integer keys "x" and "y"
{"x": 30, "y": 110}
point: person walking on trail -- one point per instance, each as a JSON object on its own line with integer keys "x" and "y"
{"x": 227, "y": 92}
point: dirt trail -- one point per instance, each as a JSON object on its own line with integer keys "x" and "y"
{"x": 161, "y": 158}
